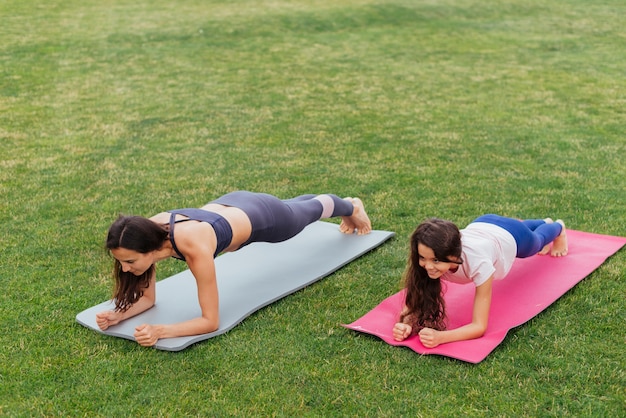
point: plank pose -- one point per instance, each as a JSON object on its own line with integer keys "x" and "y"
{"x": 197, "y": 236}
{"x": 482, "y": 252}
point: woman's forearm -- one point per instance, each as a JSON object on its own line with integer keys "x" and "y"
{"x": 194, "y": 326}
{"x": 143, "y": 304}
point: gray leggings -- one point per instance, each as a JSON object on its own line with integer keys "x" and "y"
{"x": 275, "y": 220}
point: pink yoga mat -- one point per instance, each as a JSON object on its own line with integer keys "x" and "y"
{"x": 532, "y": 285}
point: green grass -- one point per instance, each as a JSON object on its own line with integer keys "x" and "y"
{"x": 447, "y": 108}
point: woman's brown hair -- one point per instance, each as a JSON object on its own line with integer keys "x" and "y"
{"x": 138, "y": 234}
{"x": 425, "y": 306}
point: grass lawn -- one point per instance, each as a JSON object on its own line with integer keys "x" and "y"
{"x": 448, "y": 108}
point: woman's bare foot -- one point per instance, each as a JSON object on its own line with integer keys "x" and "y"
{"x": 559, "y": 245}
{"x": 347, "y": 226}
{"x": 546, "y": 249}
{"x": 358, "y": 221}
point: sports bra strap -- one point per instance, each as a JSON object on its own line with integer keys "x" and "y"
{"x": 172, "y": 222}
{"x": 223, "y": 230}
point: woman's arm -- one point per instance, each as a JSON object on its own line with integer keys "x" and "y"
{"x": 106, "y": 319}
{"x": 202, "y": 265}
{"x": 480, "y": 317}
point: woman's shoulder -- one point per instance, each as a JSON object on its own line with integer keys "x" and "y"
{"x": 161, "y": 218}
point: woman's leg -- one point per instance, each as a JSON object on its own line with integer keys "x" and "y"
{"x": 275, "y": 220}
{"x": 300, "y": 198}
{"x": 351, "y": 211}
{"x": 358, "y": 221}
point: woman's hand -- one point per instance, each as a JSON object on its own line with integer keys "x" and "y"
{"x": 429, "y": 337}
{"x": 106, "y": 319}
{"x": 147, "y": 335}
{"x": 401, "y": 331}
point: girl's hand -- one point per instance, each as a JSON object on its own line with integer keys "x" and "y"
{"x": 147, "y": 335}
{"x": 429, "y": 337}
{"x": 106, "y": 319}
{"x": 401, "y": 331}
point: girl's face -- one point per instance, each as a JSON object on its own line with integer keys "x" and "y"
{"x": 132, "y": 261}
{"x": 433, "y": 266}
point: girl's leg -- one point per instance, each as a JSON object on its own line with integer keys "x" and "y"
{"x": 544, "y": 232}
{"x": 533, "y": 224}
{"x": 531, "y": 236}
{"x": 559, "y": 243}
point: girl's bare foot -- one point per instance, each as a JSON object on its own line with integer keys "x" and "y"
{"x": 358, "y": 221}
{"x": 559, "y": 245}
{"x": 546, "y": 249}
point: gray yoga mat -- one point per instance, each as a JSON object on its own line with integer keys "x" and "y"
{"x": 247, "y": 280}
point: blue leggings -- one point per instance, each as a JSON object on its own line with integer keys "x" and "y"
{"x": 530, "y": 235}
{"x": 275, "y": 220}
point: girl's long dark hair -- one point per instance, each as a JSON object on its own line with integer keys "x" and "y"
{"x": 425, "y": 306}
{"x": 138, "y": 234}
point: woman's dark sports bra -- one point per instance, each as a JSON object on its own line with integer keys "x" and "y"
{"x": 223, "y": 231}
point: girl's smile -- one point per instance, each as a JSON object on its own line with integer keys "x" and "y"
{"x": 434, "y": 267}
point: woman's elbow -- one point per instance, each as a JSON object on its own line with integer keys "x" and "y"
{"x": 212, "y": 325}
{"x": 147, "y": 301}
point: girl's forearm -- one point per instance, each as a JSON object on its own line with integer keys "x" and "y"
{"x": 466, "y": 332}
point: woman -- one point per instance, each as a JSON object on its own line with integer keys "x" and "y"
{"x": 196, "y": 236}
{"x": 482, "y": 252}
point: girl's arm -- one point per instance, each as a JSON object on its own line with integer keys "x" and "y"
{"x": 480, "y": 317}
{"x": 106, "y": 319}
{"x": 201, "y": 263}
{"x": 402, "y": 329}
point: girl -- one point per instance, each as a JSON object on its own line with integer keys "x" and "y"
{"x": 482, "y": 252}
{"x": 196, "y": 236}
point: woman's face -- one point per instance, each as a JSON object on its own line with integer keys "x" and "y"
{"x": 132, "y": 261}
{"x": 434, "y": 267}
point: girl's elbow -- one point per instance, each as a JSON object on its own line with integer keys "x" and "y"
{"x": 480, "y": 330}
